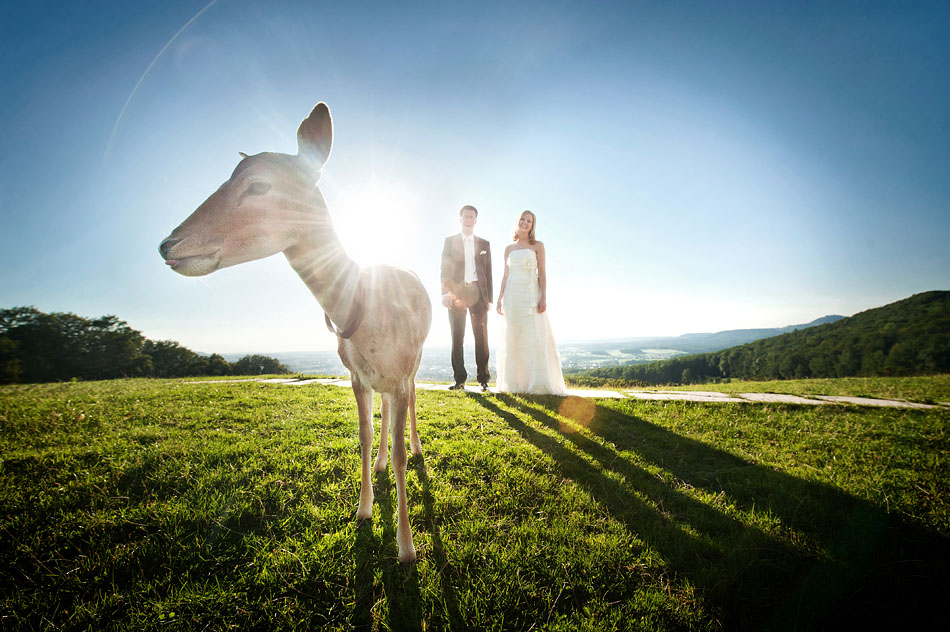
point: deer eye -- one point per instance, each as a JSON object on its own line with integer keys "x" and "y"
{"x": 258, "y": 188}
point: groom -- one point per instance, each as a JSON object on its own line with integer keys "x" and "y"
{"x": 466, "y": 286}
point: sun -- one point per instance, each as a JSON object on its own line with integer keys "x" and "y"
{"x": 375, "y": 221}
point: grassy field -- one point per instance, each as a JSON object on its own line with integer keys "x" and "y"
{"x": 926, "y": 389}
{"x": 930, "y": 389}
{"x": 171, "y": 505}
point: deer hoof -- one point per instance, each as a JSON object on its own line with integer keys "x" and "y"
{"x": 408, "y": 556}
{"x": 364, "y": 514}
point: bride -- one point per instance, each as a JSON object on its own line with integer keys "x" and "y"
{"x": 528, "y": 360}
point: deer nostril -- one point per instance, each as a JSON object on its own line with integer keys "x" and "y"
{"x": 166, "y": 246}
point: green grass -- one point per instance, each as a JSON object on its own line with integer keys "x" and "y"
{"x": 929, "y": 389}
{"x": 147, "y": 505}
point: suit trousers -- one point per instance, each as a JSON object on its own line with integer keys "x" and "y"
{"x": 479, "y": 317}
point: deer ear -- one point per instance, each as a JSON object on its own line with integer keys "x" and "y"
{"x": 315, "y": 137}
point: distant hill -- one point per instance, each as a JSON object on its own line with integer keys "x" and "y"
{"x": 703, "y": 342}
{"x": 576, "y": 356}
{"x": 908, "y": 337}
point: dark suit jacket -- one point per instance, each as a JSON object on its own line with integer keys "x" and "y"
{"x": 453, "y": 266}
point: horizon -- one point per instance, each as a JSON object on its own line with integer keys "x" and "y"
{"x": 469, "y": 348}
{"x": 694, "y": 168}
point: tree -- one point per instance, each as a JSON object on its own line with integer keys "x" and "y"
{"x": 170, "y": 359}
{"x": 39, "y": 347}
{"x": 217, "y": 365}
{"x": 60, "y": 346}
{"x": 258, "y": 365}
{"x": 909, "y": 337}
{"x": 9, "y": 362}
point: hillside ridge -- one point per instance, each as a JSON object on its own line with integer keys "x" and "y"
{"x": 907, "y": 337}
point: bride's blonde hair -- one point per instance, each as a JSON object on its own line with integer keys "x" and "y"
{"x": 534, "y": 225}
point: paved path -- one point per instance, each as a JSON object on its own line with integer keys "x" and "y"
{"x": 690, "y": 396}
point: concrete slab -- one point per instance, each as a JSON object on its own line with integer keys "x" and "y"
{"x": 688, "y": 396}
{"x": 425, "y": 386}
{"x": 315, "y": 380}
{"x": 779, "y": 398}
{"x": 868, "y": 401}
{"x": 583, "y": 392}
{"x": 682, "y": 396}
{"x": 471, "y": 388}
{"x": 468, "y": 388}
{"x": 712, "y": 394}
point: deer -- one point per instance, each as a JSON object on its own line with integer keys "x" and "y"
{"x": 272, "y": 203}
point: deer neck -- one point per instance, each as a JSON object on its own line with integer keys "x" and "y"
{"x": 322, "y": 264}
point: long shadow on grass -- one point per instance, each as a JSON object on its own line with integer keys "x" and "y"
{"x": 400, "y": 582}
{"x": 753, "y": 578}
{"x": 437, "y": 551}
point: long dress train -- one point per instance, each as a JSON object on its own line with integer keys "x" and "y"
{"x": 528, "y": 359}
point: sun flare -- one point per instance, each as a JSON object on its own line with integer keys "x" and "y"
{"x": 375, "y": 219}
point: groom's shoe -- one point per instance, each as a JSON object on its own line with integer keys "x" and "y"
{"x": 484, "y": 386}
{"x": 457, "y": 386}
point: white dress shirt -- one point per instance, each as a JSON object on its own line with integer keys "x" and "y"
{"x": 468, "y": 246}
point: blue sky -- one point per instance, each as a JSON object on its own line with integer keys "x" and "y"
{"x": 695, "y": 166}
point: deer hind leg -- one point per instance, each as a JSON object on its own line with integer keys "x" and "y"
{"x": 364, "y": 406}
{"x": 400, "y": 405}
{"x": 384, "y": 412}
{"x": 414, "y": 442}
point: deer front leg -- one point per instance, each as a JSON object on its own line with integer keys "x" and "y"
{"x": 364, "y": 406}
{"x": 400, "y": 405}
{"x": 385, "y": 409}
{"x": 414, "y": 442}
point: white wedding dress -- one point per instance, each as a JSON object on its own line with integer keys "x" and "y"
{"x": 528, "y": 360}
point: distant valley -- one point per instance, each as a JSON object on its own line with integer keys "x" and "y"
{"x": 907, "y": 337}
{"x": 575, "y": 356}
{"x": 604, "y": 353}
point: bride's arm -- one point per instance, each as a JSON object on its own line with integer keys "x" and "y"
{"x": 542, "y": 278}
{"x": 504, "y": 282}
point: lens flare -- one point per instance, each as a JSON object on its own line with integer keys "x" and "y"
{"x": 580, "y": 410}
{"x": 125, "y": 106}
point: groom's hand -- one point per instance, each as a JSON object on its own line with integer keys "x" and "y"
{"x": 448, "y": 300}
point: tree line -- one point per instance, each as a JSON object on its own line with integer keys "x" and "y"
{"x": 40, "y": 347}
{"x": 909, "y": 337}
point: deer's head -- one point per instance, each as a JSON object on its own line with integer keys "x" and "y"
{"x": 262, "y": 209}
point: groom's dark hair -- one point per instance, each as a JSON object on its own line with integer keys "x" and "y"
{"x": 468, "y": 207}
